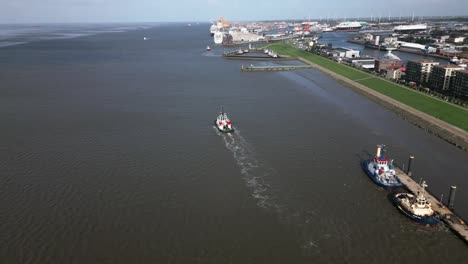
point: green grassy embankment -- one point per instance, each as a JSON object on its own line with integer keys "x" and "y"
{"x": 449, "y": 113}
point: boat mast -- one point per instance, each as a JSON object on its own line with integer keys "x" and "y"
{"x": 423, "y": 187}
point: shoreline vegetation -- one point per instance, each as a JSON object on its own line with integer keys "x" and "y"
{"x": 445, "y": 120}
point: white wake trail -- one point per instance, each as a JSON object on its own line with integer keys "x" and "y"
{"x": 259, "y": 178}
{"x": 255, "y": 173}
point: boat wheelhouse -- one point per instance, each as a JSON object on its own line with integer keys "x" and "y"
{"x": 223, "y": 123}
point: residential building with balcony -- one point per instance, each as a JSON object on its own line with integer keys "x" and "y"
{"x": 441, "y": 75}
{"x": 460, "y": 84}
{"x": 418, "y": 71}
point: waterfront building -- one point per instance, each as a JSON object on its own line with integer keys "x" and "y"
{"x": 410, "y": 28}
{"x": 393, "y": 74}
{"x": 441, "y": 76}
{"x": 370, "y": 65}
{"x": 347, "y": 53}
{"x": 390, "y": 40}
{"x": 365, "y": 63}
{"x": 460, "y": 84}
{"x": 459, "y": 40}
{"x": 444, "y": 38}
{"x": 416, "y": 47}
{"x": 387, "y": 64}
{"x": 448, "y": 52}
{"x": 418, "y": 71}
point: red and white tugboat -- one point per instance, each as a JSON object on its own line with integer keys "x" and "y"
{"x": 381, "y": 170}
{"x": 223, "y": 123}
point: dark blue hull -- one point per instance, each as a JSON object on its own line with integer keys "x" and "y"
{"x": 425, "y": 220}
{"x": 384, "y": 185}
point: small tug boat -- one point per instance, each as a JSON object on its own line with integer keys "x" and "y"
{"x": 381, "y": 170}
{"x": 416, "y": 207}
{"x": 223, "y": 123}
{"x": 208, "y": 48}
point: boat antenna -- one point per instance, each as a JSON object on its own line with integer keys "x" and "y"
{"x": 222, "y": 109}
{"x": 423, "y": 185}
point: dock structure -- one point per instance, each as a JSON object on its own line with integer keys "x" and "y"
{"x": 274, "y": 68}
{"x": 257, "y": 58}
{"x": 265, "y": 41}
{"x": 446, "y": 215}
{"x": 255, "y": 54}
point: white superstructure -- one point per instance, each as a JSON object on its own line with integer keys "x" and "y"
{"x": 213, "y": 29}
{"x": 242, "y": 34}
{"x": 222, "y": 122}
{"x": 418, "y": 204}
{"x": 218, "y": 37}
{"x": 410, "y": 28}
{"x": 348, "y": 26}
{"x": 382, "y": 168}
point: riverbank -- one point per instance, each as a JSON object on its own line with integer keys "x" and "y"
{"x": 447, "y": 121}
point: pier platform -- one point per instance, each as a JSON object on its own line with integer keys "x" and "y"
{"x": 250, "y": 57}
{"x": 254, "y": 54}
{"x": 274, "y": 68}
{"x": 446, "y": 215}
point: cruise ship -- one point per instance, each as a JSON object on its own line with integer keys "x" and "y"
{"x": 326, "y": 28}
{"x": 410, "y": 28}
{"x": 348, "y": 26}
{"x": 213, "y": 29}
{"x": 219, "y": 25}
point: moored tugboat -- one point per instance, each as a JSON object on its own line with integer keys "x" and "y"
{"x": 222, "y": 123}
{"x": 381, "y": 170}
{"x": 416, "y": 207}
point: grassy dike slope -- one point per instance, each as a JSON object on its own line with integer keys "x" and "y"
{"x": 449, "y": 113}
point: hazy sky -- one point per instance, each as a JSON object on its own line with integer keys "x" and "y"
{"x": 13, "y": 11}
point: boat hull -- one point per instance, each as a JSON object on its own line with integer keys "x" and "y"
{"x": 386, "y": 186}
{"x": 223, "y": 130}
{"x": 347, "y": 29}
{"x": 425, "y": 220}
